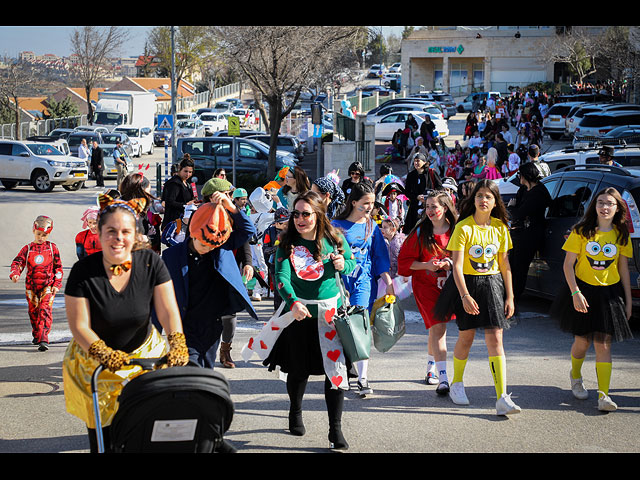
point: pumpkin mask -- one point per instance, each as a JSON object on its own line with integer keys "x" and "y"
{"x": 211, "y": 224}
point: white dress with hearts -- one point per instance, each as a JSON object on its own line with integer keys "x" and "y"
{"x": 310, "y": 346}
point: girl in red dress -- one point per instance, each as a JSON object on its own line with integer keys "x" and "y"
{"x": 424, "y": 257}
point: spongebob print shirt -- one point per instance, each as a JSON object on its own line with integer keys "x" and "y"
{"x": 480, "y": 245}
{"x": 597, "y": 256}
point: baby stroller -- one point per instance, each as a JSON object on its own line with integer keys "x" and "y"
{"x": 173, "y": 410}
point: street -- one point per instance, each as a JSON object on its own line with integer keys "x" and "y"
{"x": 403, "y": 415}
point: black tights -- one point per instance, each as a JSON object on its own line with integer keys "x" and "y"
{"x": 334, "y": 398}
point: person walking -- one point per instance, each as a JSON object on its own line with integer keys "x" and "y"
{"x": 480, "y": 292}
{"x": 595, "y": 303}
{"x": 309, "y": 254}
{"x": 84, "y": 154}
{"x": 97, "y": 164}
{"x": 177, "y": 192}
{"x": 527, "y": 211}
{"x": 368, "y": 245}
{"x": 120, "y": 161}
{"x": 419, "y": 180}
{"x": 109, "y": 297}
{"x": 425, "y": 259}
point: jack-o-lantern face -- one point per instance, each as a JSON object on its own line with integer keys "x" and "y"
{"x": 211, "y": 224}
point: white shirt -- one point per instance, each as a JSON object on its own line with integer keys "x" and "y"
{"x": 83, "y": 152}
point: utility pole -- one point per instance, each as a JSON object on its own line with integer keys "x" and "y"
{"x": 173, "y": 95}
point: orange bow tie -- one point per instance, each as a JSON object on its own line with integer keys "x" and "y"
{"x": 121, "y": 268}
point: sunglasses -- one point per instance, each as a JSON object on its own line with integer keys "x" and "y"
{"x": 296, "y": 214}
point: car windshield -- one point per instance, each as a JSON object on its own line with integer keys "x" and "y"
{"x": 187, "y": 124}
{"x": 131, "y": 132}
{"x": 111, "y": 138}
{"x": 209, "y": 118}
{"x": 43, "y": 149}
{"x": 443, "y": 98}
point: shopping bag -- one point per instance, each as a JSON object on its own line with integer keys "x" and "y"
{"x": 354, "y": 331}
{"x": 387, "y": 323}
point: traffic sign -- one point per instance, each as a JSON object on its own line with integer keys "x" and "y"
{"x": 234, "y": 127}
{"x": 165, "y": 122}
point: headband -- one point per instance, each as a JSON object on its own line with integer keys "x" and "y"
{"x": 136, "y": 205}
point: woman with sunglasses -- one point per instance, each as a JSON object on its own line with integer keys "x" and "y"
{"x": 356, "y": 175}
{"x": 372, "y": 256}
{"x": 310, "y": 253}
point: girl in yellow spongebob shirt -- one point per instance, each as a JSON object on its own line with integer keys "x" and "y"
{"x": 595, "y": 303}
{"x": 480, "y": 293}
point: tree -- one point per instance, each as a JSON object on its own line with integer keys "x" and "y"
{"x": 279, "y": 62}
{"x": 94, "y": 48}
{"x": 193, "y": 48}
{"x": 15, "y": 79}
{"x": 65, "y": 108}
{"x": 578, "y": 48}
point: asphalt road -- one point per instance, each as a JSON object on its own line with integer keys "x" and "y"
{"x": 404, "y": 415}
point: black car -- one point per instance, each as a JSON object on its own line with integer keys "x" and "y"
{"x": 571, "y": 190}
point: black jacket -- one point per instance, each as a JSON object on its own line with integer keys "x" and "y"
{"x": 175, "y": 196}
{"x": 97, "y": 158}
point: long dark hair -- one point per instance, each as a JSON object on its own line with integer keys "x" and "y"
{"x": 324, "y": 229}
{"x": 358, "y": 190}
{"x": 303, "y": 184}
{"x": 134, "y": 186}
{"x": 424, "y": 228}
{"x": 468, "y": 205}
{"x": 589, "y": 222}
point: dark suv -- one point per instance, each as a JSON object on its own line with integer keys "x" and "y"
{"x": 571, "y": 190}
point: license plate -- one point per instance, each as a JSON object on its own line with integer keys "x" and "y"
{"x": 113, "y": 170}
{"x": 78, "y": 174}
{"x": 555, "y": 119}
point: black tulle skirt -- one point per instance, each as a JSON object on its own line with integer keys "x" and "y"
{"x": 489, "y": 293}
{"x": 606, "y": 315}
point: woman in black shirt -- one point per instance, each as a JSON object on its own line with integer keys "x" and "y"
{"x": 177, "y": 192}
{"x": 109, "y": 297}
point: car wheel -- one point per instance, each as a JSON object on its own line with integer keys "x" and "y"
{"x": 8, "y": 185}
{"x": 41, "y": 181}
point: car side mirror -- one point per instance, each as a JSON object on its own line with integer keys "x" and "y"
{"x": 25, "y": 154}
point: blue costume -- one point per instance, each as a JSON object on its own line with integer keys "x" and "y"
{"x": 209, "y": 287}
{"x": 372, "y": 259}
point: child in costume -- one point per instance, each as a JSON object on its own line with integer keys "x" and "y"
{"x": 88, "y": 241}
{"x": 595, "y": 304}
{"x": 479, "y": 292}
{"x": 270, "y": 244}
{"x": 43, "y": 279}
{"x": 425, "y": 259}
{"x": 176, "y": 231}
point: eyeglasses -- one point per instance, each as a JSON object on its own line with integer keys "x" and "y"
{"x": 354, "y": 173}
{"x": 296, "y": 214}
{"x": 606, "y": 204}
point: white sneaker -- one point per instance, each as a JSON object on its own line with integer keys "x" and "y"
{"x": 577, "y": 388}
{"x": 256, "y": 297}
{"x": 605, "y": 404}
{"x": 505, "y": 406}
{"x": 457, "y": 395}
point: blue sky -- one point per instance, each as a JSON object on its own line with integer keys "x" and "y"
{"x": 56, "y": 39}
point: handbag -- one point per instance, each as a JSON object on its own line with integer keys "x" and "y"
{"x": 387, "y": 324}
{"x": 353, "y": 327}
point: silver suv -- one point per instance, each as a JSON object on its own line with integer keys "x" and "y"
{"x": 40, "y": 164}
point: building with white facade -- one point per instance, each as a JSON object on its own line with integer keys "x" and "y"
{"x": 460, "y": 60}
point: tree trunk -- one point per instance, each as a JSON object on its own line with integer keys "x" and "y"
{"x": 275, "y": 120}
{"x": 87, "y": 92}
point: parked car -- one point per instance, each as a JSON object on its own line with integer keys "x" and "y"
{"x": 190, "y": 128}
{"x": 40, "y": 164}
{"x": 185, "y": 116}
{"x": 554, "y": 121}
{"x": 430, "y": 108}
{"x": 244, "y": 132}
{"x": 287, "y": 143}
{"x": 624, "y": 134}
{"x": 61, "y": 132}
{"x": 387, "y": 78}
{"x": 466, "y": 104}
{"x": 75, "y": 139}
{"x": 405, "y": 101}
{"x": 60, "y": 143}
{"x": 220, "y": 107}
{"x": 576, "y": 116}
{"x": 141, "y": 138}
{"x": 211, "y": 153}
{"x": 388, "y": 125}
{"x": 110, "y": 170}
{"x": 91, "y": 128}
{"x": 444, "y": 99}
{"x": 128, "y": 146}
{"x": 571, "y": 190}
{"x": 376, "y": 71}
{"x": 595, "y": 125}
{"x": 396, "y": 68}
{"x": 213, "y": 121}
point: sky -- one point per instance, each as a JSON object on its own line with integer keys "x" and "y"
{"x": 56, "y": 39}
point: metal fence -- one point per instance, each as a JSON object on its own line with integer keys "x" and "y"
{"x": 43, "y": 127}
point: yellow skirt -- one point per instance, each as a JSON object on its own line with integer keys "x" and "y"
{"x": 78, "y": 367}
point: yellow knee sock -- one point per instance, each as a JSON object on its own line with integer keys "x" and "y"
{"x": 603, "y": 371}
{"x": 499, "y": 372}
{"x": 458, "y": 369}
{"x": 576, "y": 367}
